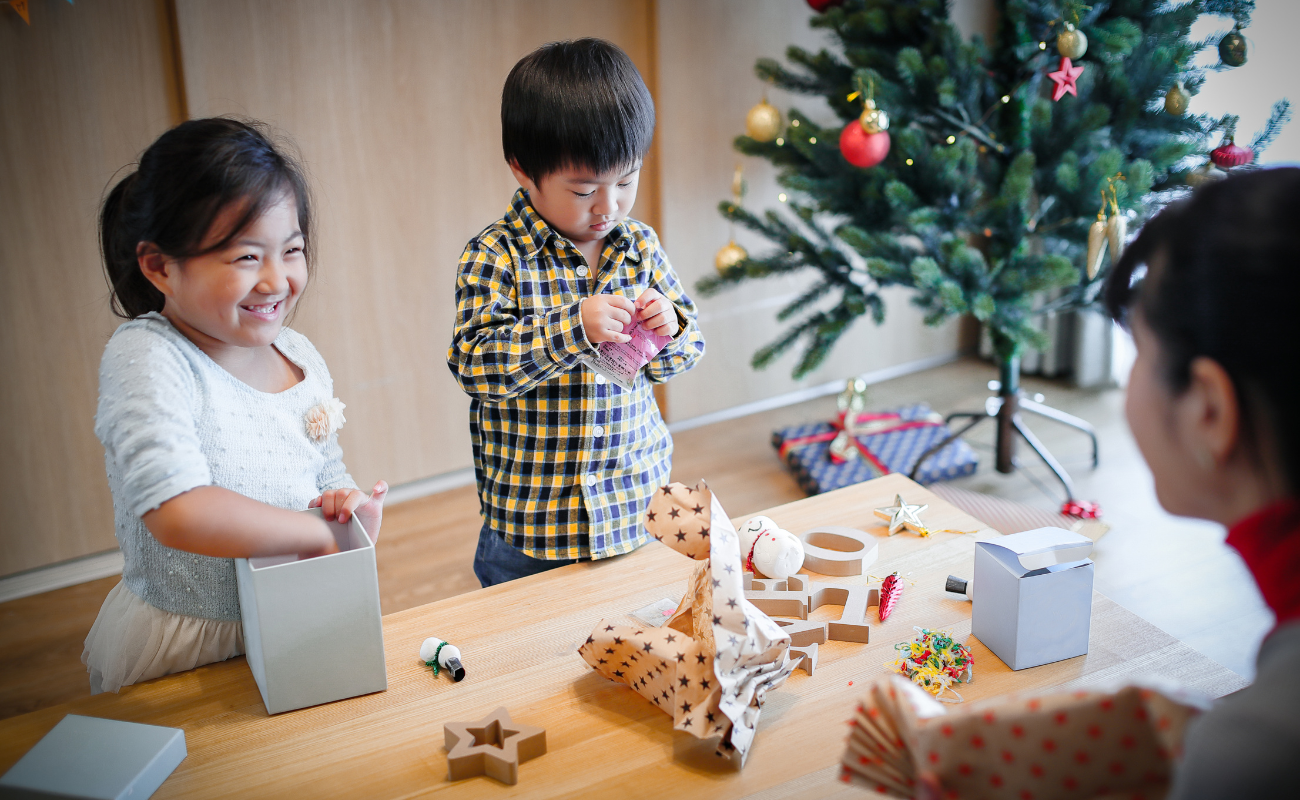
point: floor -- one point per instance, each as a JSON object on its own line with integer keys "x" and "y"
{"x": 1176, "y": 573}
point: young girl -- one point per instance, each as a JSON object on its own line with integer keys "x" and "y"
{"x": 1209, "y": 291}
{"x": 218, "y": 423}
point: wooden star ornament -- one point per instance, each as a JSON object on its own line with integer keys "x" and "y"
{"x": 901, "y": 515}
{"x": 494, "y": 746}
{"x": 1064, "y": 78}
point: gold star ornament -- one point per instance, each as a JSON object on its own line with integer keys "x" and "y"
{"x": 902, "y": 515}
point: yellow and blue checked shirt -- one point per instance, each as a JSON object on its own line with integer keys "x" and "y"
{"x": 565, "y": 460}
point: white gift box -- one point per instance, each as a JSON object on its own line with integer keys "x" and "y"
{"x": 1033, "y": 596}
{"x": 313, "y": 631}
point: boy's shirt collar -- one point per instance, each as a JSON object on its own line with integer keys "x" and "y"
{"x": 533, "y": 233}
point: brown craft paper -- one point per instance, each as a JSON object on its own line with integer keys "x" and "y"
{"x": 711, "y": 664}
{"x": 1087, "y": 744}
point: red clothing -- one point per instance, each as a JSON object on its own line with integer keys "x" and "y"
{"x": 1269, "y": 543}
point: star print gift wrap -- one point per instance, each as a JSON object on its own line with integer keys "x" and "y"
{"x": 710, "y": 666}
{"x": 882, "y": 443}
{"x": 1088, "y": 744}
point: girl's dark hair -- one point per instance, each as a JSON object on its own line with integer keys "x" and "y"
{"x": 182, "y": 182}
{"x": 575, "y": 104}
{"x": 1222, "y": 280}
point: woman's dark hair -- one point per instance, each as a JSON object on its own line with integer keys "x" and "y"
{"x": 182, "y": 182}
{"x": 575, "y": 104}
{"x": 1222, "y": 280}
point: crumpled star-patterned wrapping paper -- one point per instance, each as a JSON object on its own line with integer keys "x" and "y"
{"x": 1085, "y": 744}
{"x": 709, "y": 666}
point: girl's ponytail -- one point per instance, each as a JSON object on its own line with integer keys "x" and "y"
{"x": 182, "y": 183}
{"x": 120, "y": 231}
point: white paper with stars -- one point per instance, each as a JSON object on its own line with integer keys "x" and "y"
{"x": 712, "y": 664}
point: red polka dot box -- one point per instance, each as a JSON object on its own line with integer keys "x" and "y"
{"x": 1120, "y": 743}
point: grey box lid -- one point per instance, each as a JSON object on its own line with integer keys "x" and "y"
{"x": 103, "y": 759}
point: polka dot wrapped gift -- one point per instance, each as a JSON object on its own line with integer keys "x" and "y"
{"x": 710, "y": 666}
{"x": 1088, "y": 744}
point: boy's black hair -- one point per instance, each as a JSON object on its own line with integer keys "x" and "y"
{"x": 182, "y": 182}
{"x": 575, "y": 104}
{"x": 1221, "y": 278}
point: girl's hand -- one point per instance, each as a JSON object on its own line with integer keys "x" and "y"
{"x": 603, "y": 317}
{"x": 657, "y": 313}
{"x": 341, "y": 504}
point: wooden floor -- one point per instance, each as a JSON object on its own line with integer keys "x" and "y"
{"x": 1174, "y": 572}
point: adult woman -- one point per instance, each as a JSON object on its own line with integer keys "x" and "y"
{"x": 1209, "y": 292}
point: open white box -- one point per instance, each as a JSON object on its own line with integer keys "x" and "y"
{"x": 1033, "y": 596}
{"x": 313, "y": 631}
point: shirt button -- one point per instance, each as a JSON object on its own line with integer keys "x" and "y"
{"x": 591, "y": 480}
{"x": 582, "y": 272}
{"x": 600, "y": 378}
{"x": 599, "y": 431}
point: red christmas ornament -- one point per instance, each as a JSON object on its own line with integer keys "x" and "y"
{"x": 1065, "y": 78}
{"x": 862, "y": 149}
{"x": 891, "y": 588}
{"x": 821, "y": 5}
{"x": 1231, "y": 154}
{"x": 1081, "y": 509}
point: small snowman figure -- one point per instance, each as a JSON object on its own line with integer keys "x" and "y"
{"x": 767, "y": 550}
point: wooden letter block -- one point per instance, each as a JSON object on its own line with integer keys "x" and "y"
{"x": 803, "y": 634}
{"x": 852, "y": 624}
{"x": 787, "y": 598}
{"x": 805, "y": 658}
{"x": 838, "y": 551}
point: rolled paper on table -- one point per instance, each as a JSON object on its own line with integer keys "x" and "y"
{"x": 435, "y": 653}
{"x": 960, "y": 586}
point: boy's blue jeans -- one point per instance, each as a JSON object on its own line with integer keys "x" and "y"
{"x": 497, "y": 562}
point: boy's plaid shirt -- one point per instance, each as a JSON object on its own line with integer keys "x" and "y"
{"x": 565, "y": 460}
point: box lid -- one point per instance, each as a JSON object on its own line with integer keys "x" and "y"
{"x": 89, "y": 757}
{"x": 1041, "y": 550}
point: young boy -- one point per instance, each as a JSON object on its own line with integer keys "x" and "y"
{"x": 565, "y": 460}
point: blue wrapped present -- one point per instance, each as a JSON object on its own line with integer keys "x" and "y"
{"x": 885, "y": 442}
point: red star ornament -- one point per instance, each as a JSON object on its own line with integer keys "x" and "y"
{"x": 1065, "y": 78}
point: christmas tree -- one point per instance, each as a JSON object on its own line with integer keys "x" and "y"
{"x": 981, "y": 169}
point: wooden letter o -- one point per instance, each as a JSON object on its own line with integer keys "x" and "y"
{"x": 838, "y": 551}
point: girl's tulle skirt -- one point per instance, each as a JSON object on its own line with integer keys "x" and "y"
{"x": 131, "y": 641}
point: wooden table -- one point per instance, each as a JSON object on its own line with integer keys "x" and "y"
{"x": 519, "y": 643}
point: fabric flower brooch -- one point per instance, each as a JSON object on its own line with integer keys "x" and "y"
{"x": 324, "y": 418}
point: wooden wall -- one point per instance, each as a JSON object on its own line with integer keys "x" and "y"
{"x": 85, "y": 89}
{"x": 393, "y": 105}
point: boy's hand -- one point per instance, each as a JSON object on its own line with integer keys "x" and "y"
{"x": 603, "y": 316}
{"x": 657, "y": 313}
{"x": 341, "y": 504}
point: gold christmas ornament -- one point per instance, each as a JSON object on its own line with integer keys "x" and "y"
{"x": 1096, "y": 243}
{"x": 1206, "y": 173}
{"x": 901, "y": 515}
{"x": 729, "y": 256}
{"x": 763, "y": 122}
{"x": 1177, "y": 99}
{"x": 1072, "y": 43}
{"x": 873, "y": 119}
{"x": 1116, "y": 233}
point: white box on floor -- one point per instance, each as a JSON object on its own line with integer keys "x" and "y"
{"x": 1033, "y": 596}
{"x": 312, "y": 629}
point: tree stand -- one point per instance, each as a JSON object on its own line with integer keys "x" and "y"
{"x": 1005, "y": 408}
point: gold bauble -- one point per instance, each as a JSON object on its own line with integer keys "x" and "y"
{"x": 1176, "y": 100}
{"x": 1072, "y": 42}
{"x": 1206, "y": 173}
{"x": 873, "y": 119}
{"x": 729, "y": 256}
{"x": 763, "y": 122}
